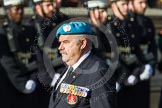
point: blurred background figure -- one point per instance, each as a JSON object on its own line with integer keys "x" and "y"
{"x": 46, "y": 18}
{"x": 18, "y": 83}
{"x": 97, "y": 13}
{"x": 160, "y": 62}
{"x": 160, "y": 48}
{"x": 126, "y": 32}
{"x": 57, "y": 3}
{"x": 160, "y": 45}
{"x": 160, "y": 68}
{"x": 126, "y": 36}
{"x": 135, "y": 63}
{"x": 146, "y": 39}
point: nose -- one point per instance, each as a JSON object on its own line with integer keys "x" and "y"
{"x": 51, "y": 7}
{"x": 20, "y": 10}
{"x": 144, "y": 5}
{"x": 61, "y": 47}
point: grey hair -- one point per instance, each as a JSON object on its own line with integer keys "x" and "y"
{"x": 89, "y": 38}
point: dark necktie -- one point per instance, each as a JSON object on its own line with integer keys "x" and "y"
{"x": 56, "y": 91}
{"x": 68, "y": 73}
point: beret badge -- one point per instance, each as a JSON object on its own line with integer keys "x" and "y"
{"x": 67, "y": 28}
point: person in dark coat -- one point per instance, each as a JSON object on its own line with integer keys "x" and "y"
{"x": 117, "y": 26}
{"x": 126, "y": 34}
{"x": 131, "y": 56}
{"x": 46, "y": 18}
{"x": 146, "y": 41}
{"x": 160, "y": 63}
{"x": 86, "y": 82}
{"x": 98, "y": 15}
{"x": 18, "y": 84}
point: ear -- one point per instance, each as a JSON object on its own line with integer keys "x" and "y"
{"x": 84, "y": 43}
{"x": 116, "y": 11}
{"x": 8, "y": 12}
{"x": 38, "y": 7}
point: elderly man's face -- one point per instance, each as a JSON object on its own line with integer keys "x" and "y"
{"x": 70, "y": 49}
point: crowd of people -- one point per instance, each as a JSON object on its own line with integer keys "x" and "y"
{"x": 53, "y": 61}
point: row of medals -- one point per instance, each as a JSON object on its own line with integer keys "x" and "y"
{"x": 73, "y": 91}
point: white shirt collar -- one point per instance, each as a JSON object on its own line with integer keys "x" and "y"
{"x": 81, "y": 60}
{"x": 74, "y": 66}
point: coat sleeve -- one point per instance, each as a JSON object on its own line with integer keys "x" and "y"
{"x": 153, "y": 46}
{"x": 43, "y": 75}
{"x": 103, "y": 93}
{"x": 17, "y": 73}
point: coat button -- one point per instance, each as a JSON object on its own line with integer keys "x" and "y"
{"x": 109, "y": 18}
{"x": 115, "y": 23}
{"x": 23, "y": 29}
{"x": 53, "y": 24}
{"x": 132, "y": 35}
{"x": 133, "y": 48}
{"x": 27, "y": 40}
{"x": 132, "y": 19}
{"x": 118, "y": 34}
{"x": 129, "y": 25}
{"x": 149, "y": 30}
{"x": 149, "y": 43}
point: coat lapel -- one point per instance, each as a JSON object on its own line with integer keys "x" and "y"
{"x": 59, "y": 79}
{"x": 56, "y": 99}
{"x": 73, "y": 76}
{"x": 71, "y": 79}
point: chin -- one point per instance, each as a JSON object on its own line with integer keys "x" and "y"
{"x": 64, "y": 59}
{"x": 125, "y": 13}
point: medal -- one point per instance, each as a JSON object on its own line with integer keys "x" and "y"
{"x": 74, "y": 90}
{"x": 62, "y": 88}
{"x": 72, "y": 87}
{"x": 72, "y": 99}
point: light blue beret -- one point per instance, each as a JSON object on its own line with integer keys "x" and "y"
{"x": 73, "y": 28}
